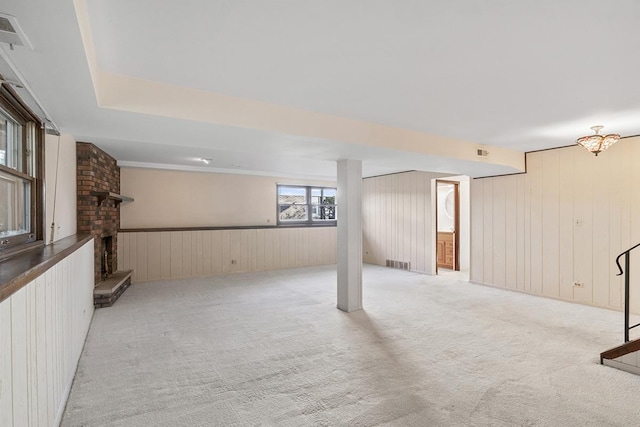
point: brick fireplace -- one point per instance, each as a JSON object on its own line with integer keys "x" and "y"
{"x": 98, "y": 174}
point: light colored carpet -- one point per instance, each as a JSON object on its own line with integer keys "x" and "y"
{"x": 272, "y": 349}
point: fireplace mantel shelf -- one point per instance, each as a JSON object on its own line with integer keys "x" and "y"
{"x": 106, "y": 195}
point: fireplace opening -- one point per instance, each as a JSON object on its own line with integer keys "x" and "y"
{"x": 106, "y": 257}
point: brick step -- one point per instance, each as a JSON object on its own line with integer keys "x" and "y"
{"x": 108, "y": 291}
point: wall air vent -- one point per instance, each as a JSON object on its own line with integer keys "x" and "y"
{"x": 11, "y": 33}
{"x": 482, "y": 152}
{"x": 400, "y": 265}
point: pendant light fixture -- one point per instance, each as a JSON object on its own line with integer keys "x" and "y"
{"x": 597, "y": 143}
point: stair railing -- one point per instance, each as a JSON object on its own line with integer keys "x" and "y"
{"x": 626, "y": 273}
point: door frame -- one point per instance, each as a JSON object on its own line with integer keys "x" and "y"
{"x": 456, "y": 222}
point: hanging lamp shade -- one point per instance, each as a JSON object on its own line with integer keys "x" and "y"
{"x": 597, "y": 143}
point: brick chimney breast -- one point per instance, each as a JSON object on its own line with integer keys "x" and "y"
{"x": 98, "y": 172}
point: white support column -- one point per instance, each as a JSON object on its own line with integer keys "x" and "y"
{"x": 349, "y": 201}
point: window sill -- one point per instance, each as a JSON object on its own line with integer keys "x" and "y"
{"x": 22, "y": 268}
{"x": 25, "y": 247}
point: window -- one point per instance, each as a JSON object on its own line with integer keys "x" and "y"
{"x": 306, "y": 205}
{"x": 20, "y": 173}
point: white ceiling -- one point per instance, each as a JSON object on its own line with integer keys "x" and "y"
{"x": 520, "y": 75}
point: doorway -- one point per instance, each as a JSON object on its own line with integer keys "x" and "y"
{"x": 447, "y": 225}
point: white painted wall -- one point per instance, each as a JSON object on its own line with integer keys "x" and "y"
{"x": 398, "y": 219}
{"x": 60, "y": 160}
{"x": 349, "y": 235}
{"x": 562, "y": 222}
{"x": 197, "y": 199}
{"x": 43, "y": 327}
{"x": 179, "y": 254}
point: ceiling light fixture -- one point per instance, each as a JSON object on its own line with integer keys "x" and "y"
{"x": 206, "y": 161}
{"x": 597, "y": 143}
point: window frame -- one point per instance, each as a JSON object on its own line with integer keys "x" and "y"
{"x": 309, "y": 206}
{"x": 13, "y": 106}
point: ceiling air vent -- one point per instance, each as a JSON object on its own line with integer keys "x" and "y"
{"x": 482, "y": 152}
{"x": 11, "y": 33}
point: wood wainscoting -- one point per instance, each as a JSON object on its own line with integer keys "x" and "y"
{"x": 43, "y": 326}
{"x": 155, "y": 255}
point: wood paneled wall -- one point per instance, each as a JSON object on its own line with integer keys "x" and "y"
{"x": 179, "y": 254}
{"x": 398, "y": 220}
{"x": 561, "y": 223}
{"x": 42, "y": 331}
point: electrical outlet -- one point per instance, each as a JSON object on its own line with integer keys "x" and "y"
{"x": 578, "y": 284}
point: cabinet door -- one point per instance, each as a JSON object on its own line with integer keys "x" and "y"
{"x": 449, "y": 254}
{"x": 446, "y": 250}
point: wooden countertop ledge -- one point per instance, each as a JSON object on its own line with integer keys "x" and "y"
{"x": 20, "y": 269}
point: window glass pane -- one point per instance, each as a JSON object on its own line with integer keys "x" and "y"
{"x": 293, "y": 212}
{"x": 306, "y": 204}
{"x": 291, "y": 195}
{"x": 323, "y": 196}
{"x": 10, "y": 143}
{"x": 15, "y": 159}
{"x": 14, "y": 205}
{"x": 329, "y": 192}
{"x": 316, "y": 196}
{"x": 329, "y": 196}
{"x": 324, "y": 213}
{"x": 3, "y": 140}
{"x": 31, "y": 149}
